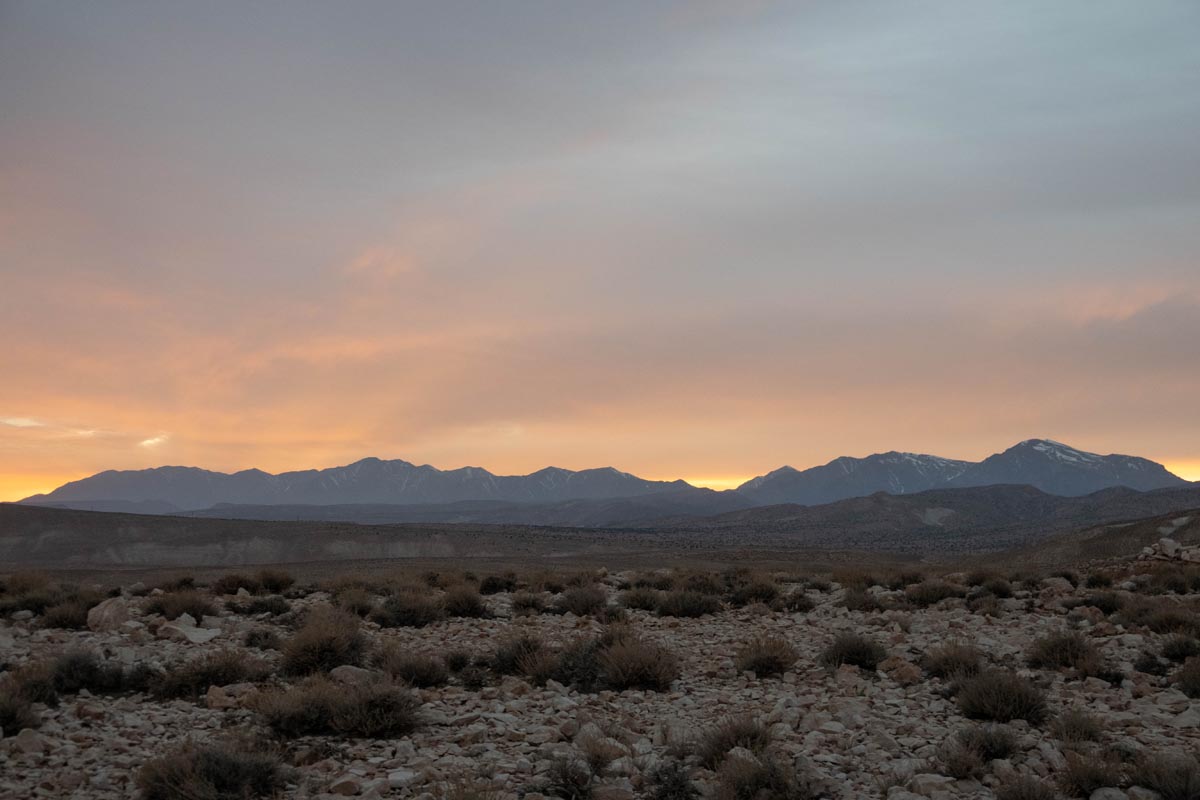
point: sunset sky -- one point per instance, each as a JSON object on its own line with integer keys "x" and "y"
{"x": 695, "y": 239}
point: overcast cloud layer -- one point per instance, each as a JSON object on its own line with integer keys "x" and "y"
{"x": 690, "y": 240}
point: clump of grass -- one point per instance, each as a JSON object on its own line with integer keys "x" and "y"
{"x": 583, "y": 601}
{"x": 321, "y": 707}
{"x": 686, "y": 603}
{"x": 743, "y": 731}
{"x": 952, "y": 661}
{"x": 173, "y": 605}
{"x": 494, "y": 584}
{"x": 633, "y": 663}
{"x": 932, "y": 592}
{"x": 1001, "y": 696}
{"x": 407, "y": 610}
{"x": 853, "y": 649}
{"x": 1174, "y": 776}
{"x": 528, "y": 603}
{"x": 231, "y": 582}
{"x": 211, "y": 772}
{"x": 766, "y": 656}
{"x": 355, "y": 599}
{"x": 1180, "y": 648}
{"x": 989, "y": 741}
{"x": 860, "y": 600}
{"x": 1187, "y": 677}
{"x": 464, "y": 601}
{"x": 569, "y": 779}
{"x": 642, "y": 598}
{"x": 420, "y": 671}
{"x": 700, "y": 582}
{"x": 671, "y": 780}
{"x": 739, "y": 779}
{"x": 1098, "y": 580}
{"x": 262, "y": 639}
{"x": 754, "y": 591}
{"x": 70, "y": 614}
{"x": 221, "y": 668}
{"x": 273, "y": 605}
{"x": 1074, "y": 725}
{"x": 1084, "y": 774}
{"x": 275, "y": 581}
{"x": 458, "y": 660}
{"x": 328, "y": 639}
{"x": 855, "y": 578}
{"x": 1109, "y": 603}
{"x": 795, "y": 601}
{"x": 1026, "y": 788}
{"x": 507, "y": 657}
{"x": 1061, "y": 650}
{"x": 77, "y": 670}
{"x": 16, "y": 710}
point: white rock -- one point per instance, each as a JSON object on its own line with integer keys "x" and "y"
{"x": 109, "y": 615}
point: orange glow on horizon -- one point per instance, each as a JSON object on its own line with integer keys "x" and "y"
{"x": 718, "y": 484}
{"x": 1188, "y": 470}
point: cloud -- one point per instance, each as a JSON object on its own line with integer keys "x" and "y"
{"x": 154, "y": 441}
{"x": 22, "y": 422}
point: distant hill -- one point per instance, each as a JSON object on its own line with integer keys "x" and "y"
{"x": 1047, "y": 465}
{"x": 377, "y": 491}
{"x": 370, "y": 480}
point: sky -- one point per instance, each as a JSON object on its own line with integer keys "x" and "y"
{"x": 698, "y": 239}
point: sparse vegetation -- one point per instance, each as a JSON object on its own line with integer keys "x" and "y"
{"x": 1187, "y": 677}
{"x": 320, "y": 706}
{"x": 855, "y": 650}
{"x": 933, "y": 592}
{"x": 419, "y": 671}
{"x": 952, "y": 661}
{"x": 1074, "y": 725}
{"x": 766, "y": 656}
{"x": 687, "y": 603}
{"x": 173, "y": 605}
{"x": 583, "y": 601}
{"x": 1084, "y": 774}
{"x": 221, "y": 668}
{"x": 1061, "y": 650}
{"x": 745, "y": 732}
{"x": 765, "y": 779}
{"x": 1001, "y": 696}
{"x": 407, "y": 610}
{"x": 1175, "y": 776}
{"x": 211, "y": 772}
{"x": 464, "y": 601}
{"x": 1026, "y": 788}
{"x": 328, "y": 639}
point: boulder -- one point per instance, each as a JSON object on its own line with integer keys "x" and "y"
{"x": 109, "y": 615}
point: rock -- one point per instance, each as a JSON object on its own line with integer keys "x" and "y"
{"x": 926, "y": 784}
{"x": 27, "y": 741}
{"x": 218, "y": 699}
{"x": 399, "y": 778}
{"x": 346, "y": 785}
{"x": 22, "y": 615}
{"x": 1108, "y": 793}
{"x": 900, "y": 670}
{"x": 1057, "y": 585}
{"x": 179, "y": 631}
{"x": 351, "y": 675}
{"x": 109, "y": 615}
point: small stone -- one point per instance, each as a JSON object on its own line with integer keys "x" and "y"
{"x": 346, "y": 785}
{"x": 351, "y": 675}
{"x": 109, "y": 615}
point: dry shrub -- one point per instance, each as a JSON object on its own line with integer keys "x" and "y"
{"x": 598, "y": 752}
{"x": 1174, "y": 776}
{"x": 211, "y": 772}
{"x": 508, "y": 655}
{"x": 1084, "y": 774}
{"x": 1180, "y": 648}
{"x": 1025, "y": 788}
{"x": 568, "y": 778}
{"x": 16, "y": 710}
{"x": 221, "y": 668}
{"x": 997, "y": 587}
{"x": 494, "y": 584}
{"x": 262, "y": 639}
{"x": 458, "y": 660}
{"x": 989, "y": 741}
{"x": 70, "y": 614}
{"x": 1187, "y": 677}
{"x": 959, "y": 761}
{"x": 765, "y": 779}
{"x": 671, "y": 780}
{"x": 687, "y": 603}
{"x": 407, "y": 610}
{"x": 231, "y": 582}
{"x": 173, "y": 605}
{"x": 746, "y": 732}
{"x": 855, "y": 578}
{"x": 1060, "y": 650}
{"x": 321, "y": 707}
{"x": 328, "y": 639}
{"x": 637, "y": 664}
{"x": 931, "y": 593}
{"x": 77, "y": 670}
{"x": 641, "y": 598}
{"x": 354, "y": 599}
{"x": 851, "y": 648}
{"x": 860, "y": 600}
{"x": 654, "y": 580}
{"x": 1109, "y": 603}
{"x": 952, "y": 661}
{"x": 1075, "y": 725}
{"x": 1001, "y": 696}
{"x": 275, "y": 581}
{"x": 528, "y": 603}
{"x": 463, "y": 601}
{"x": 795, "y": 601}
{"x": 539, "y": 666}
{"x": 701, "y": 582}
{"x": 273, "y": 605}
{"x": 766, "y": 656}
{"x": 1160, "y": 616}
{"x": 755, "y": 591}
{"x": 583, "y": 601}
{"x": 420, "y": 671}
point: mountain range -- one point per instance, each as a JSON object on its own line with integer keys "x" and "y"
{"x": 376, "y": 490}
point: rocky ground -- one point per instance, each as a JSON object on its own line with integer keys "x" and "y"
{"x": 887, "y": 732}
